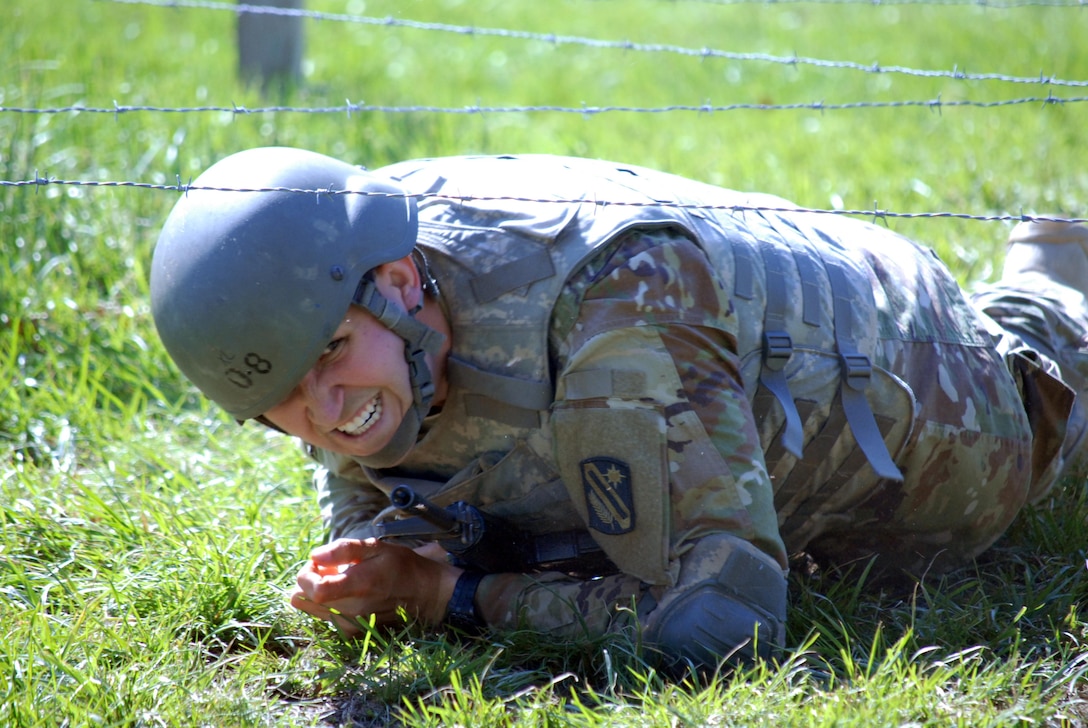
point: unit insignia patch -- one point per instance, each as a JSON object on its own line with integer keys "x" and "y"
{"x": 607, "y": 484}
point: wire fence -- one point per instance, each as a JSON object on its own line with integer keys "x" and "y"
{"x": 987, "y": 4}
{"x": 936, "y": 104}
{"x": 875, "y": 214}
{"x": 348, "y": 108}
{"x": 622, "y": 45}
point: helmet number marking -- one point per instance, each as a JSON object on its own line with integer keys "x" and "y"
{"x": 243, "y": 378}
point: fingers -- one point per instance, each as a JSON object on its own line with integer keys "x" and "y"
{"x": 347, "y": 626}
{"x": 346, "y": 551}
{"x": 323, "y": 584}
{"x": 300, "y": 602}
{"x": 367, "y": 578}
{"x": 349, "y": 577}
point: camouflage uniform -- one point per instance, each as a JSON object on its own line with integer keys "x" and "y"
{"x": 690, "y": 377}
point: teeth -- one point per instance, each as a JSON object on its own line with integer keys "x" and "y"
{"x": 366, "y": 419}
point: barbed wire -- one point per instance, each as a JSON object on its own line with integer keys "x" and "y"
{"x": 937, "y": 104}
{"x": 987, "y": 4}
{"x": 350, "y": 108}
{"x": 626, "y": 45}
{"x": 875, "y": 213}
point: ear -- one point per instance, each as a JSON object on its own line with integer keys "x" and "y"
{"x": 399, "y": 281}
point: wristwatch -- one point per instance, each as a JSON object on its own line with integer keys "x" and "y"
{"x": 461, "y": 611}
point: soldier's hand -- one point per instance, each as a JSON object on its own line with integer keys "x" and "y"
{"x": 351, "y": 578}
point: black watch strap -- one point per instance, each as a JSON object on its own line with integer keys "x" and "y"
{"x": 461, "y": 610}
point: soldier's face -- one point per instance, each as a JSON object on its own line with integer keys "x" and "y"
{"x": 355, "y": 396}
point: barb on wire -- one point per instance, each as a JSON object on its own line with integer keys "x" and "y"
{"x": 605, "y": 44}
{"x": 706, "y": 108}
{"x": 876, "y": 213}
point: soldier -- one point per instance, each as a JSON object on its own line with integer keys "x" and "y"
{"x": 665, "y": 387}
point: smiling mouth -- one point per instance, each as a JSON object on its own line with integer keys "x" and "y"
{"x": 366, "y": 419}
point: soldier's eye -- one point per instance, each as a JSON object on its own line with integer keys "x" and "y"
{"x": 332, "y": 347}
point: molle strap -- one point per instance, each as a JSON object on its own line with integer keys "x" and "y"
{"x": 744, "y": 267}
{"x": 513, "y": 275}
{"x": 797, "y": 484}
{"x": 513, "y": 401}
{"x": 810, "y": 288}
{"x": 797, "y": 513}
{"x": 806, "y": 267}
{"x": 857, "y": 370}
{"x": 803, "y": 494}
{"x": 778, "y": 346}
{"x": 603, "y": 383}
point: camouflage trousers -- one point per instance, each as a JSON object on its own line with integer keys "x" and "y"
{"x": 1047, "y": 323}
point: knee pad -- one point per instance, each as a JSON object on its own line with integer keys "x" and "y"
{"x": 729, "y": 619}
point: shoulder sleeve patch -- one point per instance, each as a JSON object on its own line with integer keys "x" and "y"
{"x": 609, "y": 502}
{"x": 612, "y": 458}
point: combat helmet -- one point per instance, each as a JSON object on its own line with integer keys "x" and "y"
{"x": 258, "y": 263}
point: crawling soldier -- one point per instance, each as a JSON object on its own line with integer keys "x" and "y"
{"x": 665, "y": 386}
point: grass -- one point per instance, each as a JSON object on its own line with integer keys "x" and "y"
{"x": 147, "y": 541}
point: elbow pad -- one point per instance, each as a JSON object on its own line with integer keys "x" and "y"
{"x": 729, "y": 618}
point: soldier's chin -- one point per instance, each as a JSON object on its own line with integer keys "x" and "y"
{"x": 397, "y": 445}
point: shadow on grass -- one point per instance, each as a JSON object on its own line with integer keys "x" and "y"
{"x": 1020, "y": 595}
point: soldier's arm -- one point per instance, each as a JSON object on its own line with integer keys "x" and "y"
{"x": 657, "y": 446}
{"x": 712, "y": 499}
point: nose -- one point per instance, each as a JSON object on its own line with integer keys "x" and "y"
{"x": 321, "y": 400}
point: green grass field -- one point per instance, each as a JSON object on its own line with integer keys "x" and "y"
{"x": 147, "y": 541}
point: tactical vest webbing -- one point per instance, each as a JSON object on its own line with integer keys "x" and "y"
{"x": 501, "y": 262}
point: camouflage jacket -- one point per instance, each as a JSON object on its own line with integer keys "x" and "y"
{"x": 661, "y": 359}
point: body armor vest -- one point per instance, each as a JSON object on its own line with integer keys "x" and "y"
{"x": 809, "y": 338}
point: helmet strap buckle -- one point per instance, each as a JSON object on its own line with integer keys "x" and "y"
{"x": 420, "y": 375}
{"x": 419, "y": 339}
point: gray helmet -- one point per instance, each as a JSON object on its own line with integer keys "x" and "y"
{"x": 247, "y": 287}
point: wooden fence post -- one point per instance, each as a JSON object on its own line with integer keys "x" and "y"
{"x": 270, "y": 46}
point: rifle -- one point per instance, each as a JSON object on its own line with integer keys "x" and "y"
{"x": 481, "y": 541}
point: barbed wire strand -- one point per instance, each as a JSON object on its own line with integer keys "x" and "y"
{"x": 875, "y": 213}
{"x": 349, "y": 108}
{"x": 625, "y": 45}
{"x": 986, "y": 4}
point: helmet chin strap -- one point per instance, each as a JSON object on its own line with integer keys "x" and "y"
{"x": 419, "y": 340}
